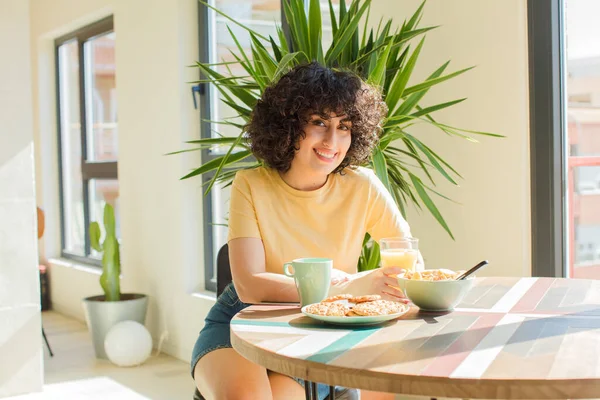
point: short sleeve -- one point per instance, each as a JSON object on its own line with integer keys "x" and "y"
{"x": 242, "y": 215}
{"x": 383, "y": 216}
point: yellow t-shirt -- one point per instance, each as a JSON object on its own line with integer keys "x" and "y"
{"x": 327, "y": 222}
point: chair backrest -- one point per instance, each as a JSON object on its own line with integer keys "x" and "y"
{"x": 223, "y": 269}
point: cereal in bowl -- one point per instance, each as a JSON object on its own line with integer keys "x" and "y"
{"x": 431, "y": 275}
{"x": 379, "y": 307}
{"x": 328, "y": 309}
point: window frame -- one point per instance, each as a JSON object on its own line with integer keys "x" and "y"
{"x": 210, "y": 281}
{"x": 547, "y": 110}
{"x": 89, "y": 169}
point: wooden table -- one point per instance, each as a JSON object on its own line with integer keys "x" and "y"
{"x": 510, "y": 338}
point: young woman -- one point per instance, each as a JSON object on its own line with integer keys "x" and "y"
{"x": 312, "y": 129}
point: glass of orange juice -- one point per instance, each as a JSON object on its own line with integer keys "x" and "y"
{"x": 399, "y": 252}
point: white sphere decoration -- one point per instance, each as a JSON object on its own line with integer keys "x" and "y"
{"x": 128, "y": 343}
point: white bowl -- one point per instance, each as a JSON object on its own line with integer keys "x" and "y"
{"x": 435, "y": 295}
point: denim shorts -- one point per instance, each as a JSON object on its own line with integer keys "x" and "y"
{"x": 215, "y": 335}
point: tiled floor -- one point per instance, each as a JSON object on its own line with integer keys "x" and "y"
{"x": 160, "y": 378}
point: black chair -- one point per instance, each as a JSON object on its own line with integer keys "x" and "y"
{"x": 223, "y": 269}
{"x": 223, "y": 279}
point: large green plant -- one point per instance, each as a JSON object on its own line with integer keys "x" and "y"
{"x": 385, "y": 57}
{"x": 111, "y": 260}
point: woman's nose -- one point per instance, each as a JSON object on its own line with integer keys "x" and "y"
{"x": 330, "y": 137}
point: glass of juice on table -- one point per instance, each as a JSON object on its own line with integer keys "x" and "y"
{"x": 399, "y": 252}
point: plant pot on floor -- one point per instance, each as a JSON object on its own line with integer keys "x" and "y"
{"x": 102, "y": 315}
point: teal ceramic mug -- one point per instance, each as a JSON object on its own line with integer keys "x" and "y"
{"x": 312, "y": 277}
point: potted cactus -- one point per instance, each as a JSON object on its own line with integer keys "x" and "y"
{"x": 104, "y": 311}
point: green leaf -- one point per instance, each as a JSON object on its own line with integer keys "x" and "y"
{"x": 334, "y": 26}
{"x": 296, "y": 17}
{"x": 422, "y": 164}
{"x": 276, "y": 50}
{"x": 224, "y": 161}
{"x": 245, "y": 96}
{"x": 346, "y": 35}
{"x": 474, "y": 132}
{"x": 314, "y": 28}
{"x": 284, "y": 64}
{"x": 414, "y": 20}
{"x": 269, "y": 65}
{"x": 400, "y": 119}
{"x": 216, "y": 162}
{"x": 184, "y": 151}
{"x": 246, "y": 64}
{"x": 398, "y": 40}
{"x": 244, "y": 112}
{"x": 380, "y": 167}
{"x": 377, "y": 76}
{"x": 429, "y": 203}
{"x": 432, "y": 159}
{"x": 285, "y": 48}
{"x": 431, "y": 82}
{"x": 366, "y": 24}
{"x": 225, "y": 122}
{"x": 413, "y": 99}
{"x": 207, "y": 143}
{"x": 343, "y": 11}
{"x": 399, "y": 84}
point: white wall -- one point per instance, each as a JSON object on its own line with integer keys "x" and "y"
{"x": 20, "y": 322}
{"x": 492, "y": 219}
{"x": 162, "y": 217}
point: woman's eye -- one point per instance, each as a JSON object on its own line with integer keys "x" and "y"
{"x": 344, "y": 128}
{"x": 318, "y": 122}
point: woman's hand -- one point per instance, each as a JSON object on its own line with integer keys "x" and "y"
{"x": 381, "y": 281}
{"x": 338, "y": 276}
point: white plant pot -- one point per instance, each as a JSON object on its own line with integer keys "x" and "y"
{"x": 101, "y": 315}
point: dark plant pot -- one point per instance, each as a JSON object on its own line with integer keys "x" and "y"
{"x": 102, "y": 315}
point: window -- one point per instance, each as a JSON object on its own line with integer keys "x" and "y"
{"x": 565, "y": 137}
{"x": 215, "y": 43}
{"x": 87, "y": 134}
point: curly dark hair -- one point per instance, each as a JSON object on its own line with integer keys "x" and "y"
{"x": 277, "y": 122}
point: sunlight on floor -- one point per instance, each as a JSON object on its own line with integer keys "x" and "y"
{"x": 162, "y": 377}
{"x": 85, "y": 389}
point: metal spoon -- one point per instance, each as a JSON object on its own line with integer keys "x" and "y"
{"x": 469, "y": 272}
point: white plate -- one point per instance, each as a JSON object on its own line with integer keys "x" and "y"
{"x": 361, "y": 320}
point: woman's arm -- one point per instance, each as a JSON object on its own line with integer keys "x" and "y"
{"x": 253, "y": 284}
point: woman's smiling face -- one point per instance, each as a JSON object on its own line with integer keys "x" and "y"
{"x": 325, "y": 145}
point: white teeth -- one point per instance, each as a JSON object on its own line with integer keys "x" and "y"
{"x": 330, "y": 156}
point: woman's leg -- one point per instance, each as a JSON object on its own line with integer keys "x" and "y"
{"x": 283, "y": 387}
{"x": 366, "y": 395}
{"x": 223, "y": 374}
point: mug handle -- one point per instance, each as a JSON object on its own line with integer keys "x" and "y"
{"x": 286, "y": 269}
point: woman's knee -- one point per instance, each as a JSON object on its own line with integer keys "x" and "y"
{"x": 225, "y": 375}
{"x": 285, "y": 388}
